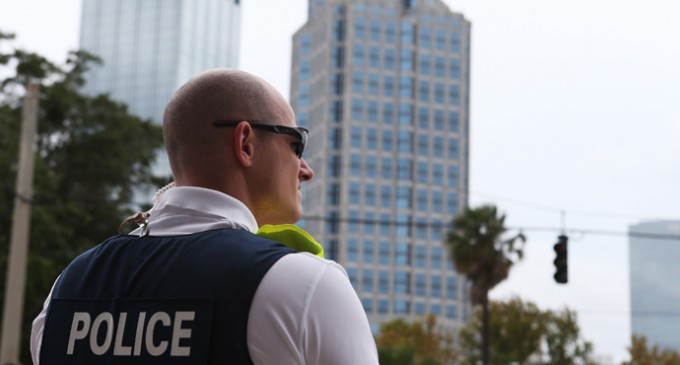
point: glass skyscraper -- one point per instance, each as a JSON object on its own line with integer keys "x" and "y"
{"x": 383, "y": 86}
{"x": 654, "y": 285}
{"x": 151, "y": 47}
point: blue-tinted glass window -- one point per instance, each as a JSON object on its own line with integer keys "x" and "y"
{"x": 353, "y": 274}
{"x": 405, "y": 141}
{"x": 453, "y": 176}
{"x": 338, "y": 56}
{"x": 332, "y": 227}
{"x": 421, "y": 201}
{"x": 372, "y": 139}
{"x": 337, "y": 83}
{"x": 390, "y": 32}
{"x": 455, "y": 42}
{"x": 402, "y": 254}
{"x": 453, "y": 94}
{"x": 437, "y": 202}
{"x": 383, "y": 306}
{"x": 306, "y": 45}
{"x": 438, "y": 148}
{"x": 401, "y": 282}
{"x": 439, "y": 92}
{"x": 303, "y": 101}
{"x": 357, "y": 82}
{"x": 421, "y": 256}
{"x": 436, "y": 309}
{"x": 437, "y": 173}
{"x": 404, "y": 169}
{"x": 454, "y": 68}
{"x": 388, "y": 86}
{"x": 424, "y": 118}
{"x": 425, "y": 37}
{"x": 406, "y": 87}
{"x": 406, "y": 60}
{"x": 388, "y": 113}
{"x": 358, "y": 55}
{"x": 453, "y": 148}
{"x": 367, "y": 280}
{"x": 436, "y": 286}
{"x": 385, "y": 226}
{"x": 372, "y": 111}
{"x": 356, "y": 136}
{"x": 303, "y": 119}
{"x": 452, "y": 203}
{"x": 422, "y": 173}
{"x": 451, "y": 311}
{"x": 369, "y": 222}
{"x": 355, "y": 164}
{"x": 401, "y": 307}
{"x": 367, "y": 303}
{"x": 407, "y": 33}
{"x": 334, "y": 166}
{"x": 453, "y": 121}
{"x": 355, "y": 193}
{"x": 451, "y": 287}
{"x": 386, "y": 168}
{"x": 420, "y": 284}
{"x": 375, "y": 30}
{"x": 405, "y": 114}
{"x": 383, "y": 281}
{"x": 335, "y": 138}
{"x": 423, "y": 145}
{"x": 421, "y": 228}
{"x": 373, "y": 84}
{"x": 385, "y": 196}
{"x": 357, "y": 109}
{"x": 439, "y": 120}
{"x": 333, "y": 194}
{"x": 424, "y": 90}
{"x": 374, "y": 57}
{"x": 353, "y": 221}
{"x": 359, "y": 27}
{"x": 424, "y": 64}
{"x": 369, "y": 253}
{"x": 353, "y": 250}
{"x": 437, "y": 229}
{"x": 403, "y": 225}
{"x": 336, "y": 110}
{"x": 439, "y": 66}
{"x": 403, "y": 197}
{"x": 387, "y": 139}
{"x": 389, "y": 58}
{"x": 440, "y": 39}
{"x": 339, "y": 30}
{"x": 420, "y": 309}
{"x": 305, "y": 69}
{"x": 369, "y": 189}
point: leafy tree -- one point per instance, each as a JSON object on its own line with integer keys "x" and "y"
{"x": 523, "y": 334}
{"x": 417, "y": 343}
{"x": 91, "y": 157}
{"x": 479, "y": 251}
{"x": 642, "y": 354}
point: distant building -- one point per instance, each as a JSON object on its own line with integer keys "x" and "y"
{"x": 151, "y": 47}
{"x": 654, "y": 283}
{"x": 383, "y": 86}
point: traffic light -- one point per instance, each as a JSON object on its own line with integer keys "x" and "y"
{"x": 560, "y": 262}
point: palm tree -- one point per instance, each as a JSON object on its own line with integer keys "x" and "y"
{"x": 479, "y": 251}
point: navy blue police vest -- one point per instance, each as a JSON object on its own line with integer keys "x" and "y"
{"x": 158, "y": 300}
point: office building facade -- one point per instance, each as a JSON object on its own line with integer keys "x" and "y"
{"x": 151, "y": 47}
{"x": 383, "y": 87}
{"x": 654, "y": 288}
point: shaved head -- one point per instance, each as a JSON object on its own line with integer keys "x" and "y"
{"x": 220, "y": 94}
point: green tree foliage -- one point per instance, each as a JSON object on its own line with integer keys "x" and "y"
{"x": 417, "y": 343}
{"x": 523, "y": 334}
{"x": 642, "y": 354}
{"x": 481, "y": 253}
{"x": 91, "y": 156}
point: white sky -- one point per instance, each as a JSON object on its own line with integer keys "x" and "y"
{"x": 574, "y": 107}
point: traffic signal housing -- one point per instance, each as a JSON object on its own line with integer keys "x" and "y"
{"x": 560, "y": 262}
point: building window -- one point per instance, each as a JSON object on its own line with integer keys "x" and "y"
{"x": 421, "y": 285}
{"x": 372, "y": 139}
{"x": 383, "y": 306}
{"x": 367, "y": 280}
{"x": 357, "y": 109}
{"x": 374, "y": 84}
{"x": 424, "y": 118}
{"x": 401, "y": 307}
{"x": 359, "y": 28}
{"x": 420, "y": 309}
{"x": 405, "y": 114}
{"x": 437, "y": 174}
{"x": 453, "y": 176}
{"x": 425, "y": 37}
{"x": 334, "y": 166}
{"x": 452, "y": 203}
{"x": 369, "y": 253}
{"x": 385, "y": 225}
{"x": 453, "y": 121}
{"x": 436, "y": 309}
{"x": 406, "y": 60}
{"x": 401, "y": 282}
{"x": 421, "y": 227}
{"x": 386, "y": 168}
{"x": 424, "y": 64}
{"x": 330, "y": 248}
{"x": 404, "y": 168}
{"x": 358, "y": 55}
{"x": 423, "y": 145}
{"x": 390, "y": 32}
{"x": 369, "y": 189}
{"x": 453, "y": 94}
{"x": 439, "y": 93}
{"x": 438, "y": 148}
{"x": 336, "y": 110}
{"x": 422, "y": 175}
{"x": 421, "y": 203}
{"x": 439, "y": 120}
{"x": 451, "y": 287}
{"x": 305, "y": 69}
{"x": 387, "y": 141}
{"x": 339, "y": 30}
{"x": 407, "y": 29}
{"x": 383, "y": 282}
{"x": 388, "y": 86}
{"x": 306, "y": 45}
{"x": 436, "y": 287}
{"x": 424, "y": 90}
{"x": 439, "y": 68}
{"x": 355, "y": 164}
{"x": 355, "y": 193}
{"x": 353, "y": 250}
{"x": 385, "y": 201}
{"x": 388, "y": 113}
{"x": 367, "y": 303}
{"x": 356, "y": 137}
{"x": 357, "y": 82}
{"x": 389, "y": 58}
{"x": 453, "y": 149}
{"x": 454, "y": 68}
{"x": 369, "y": 222}
{"x": 402, "y": 254}
{"x": 403, "y": 223}
{"x": 404, "y": 196}
{"x": 421, "y": 256}
{"x": 455, "y": 42}
{"x": 440, "y": 39}
{"x": 437, "y": 202}
{"x": 375, "y": 30}
{"x": 406, "y": 87}
{"x": 333, "y": 194}
{"x": 337, "y": 84}
{"x": 451, "y": 311}
{"x": 374, "y": 57}
{"x": 353, "y": 221}
{"x": 338, "y": 57}
{"x": 372, "y": 111}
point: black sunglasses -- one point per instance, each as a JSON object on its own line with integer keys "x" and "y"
{"x": 299, "y": 132}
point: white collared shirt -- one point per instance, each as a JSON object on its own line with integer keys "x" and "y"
{"x": 304, "y": 311}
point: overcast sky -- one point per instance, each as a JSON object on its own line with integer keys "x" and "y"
{"x": 574, "y": 108}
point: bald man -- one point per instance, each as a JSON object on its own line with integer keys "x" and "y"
{"x": 195, "y": 284}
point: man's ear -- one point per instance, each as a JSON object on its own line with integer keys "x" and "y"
{"x": 243, "y": 144}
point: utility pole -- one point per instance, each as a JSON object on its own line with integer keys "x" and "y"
{"x": 21, "y": 221}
